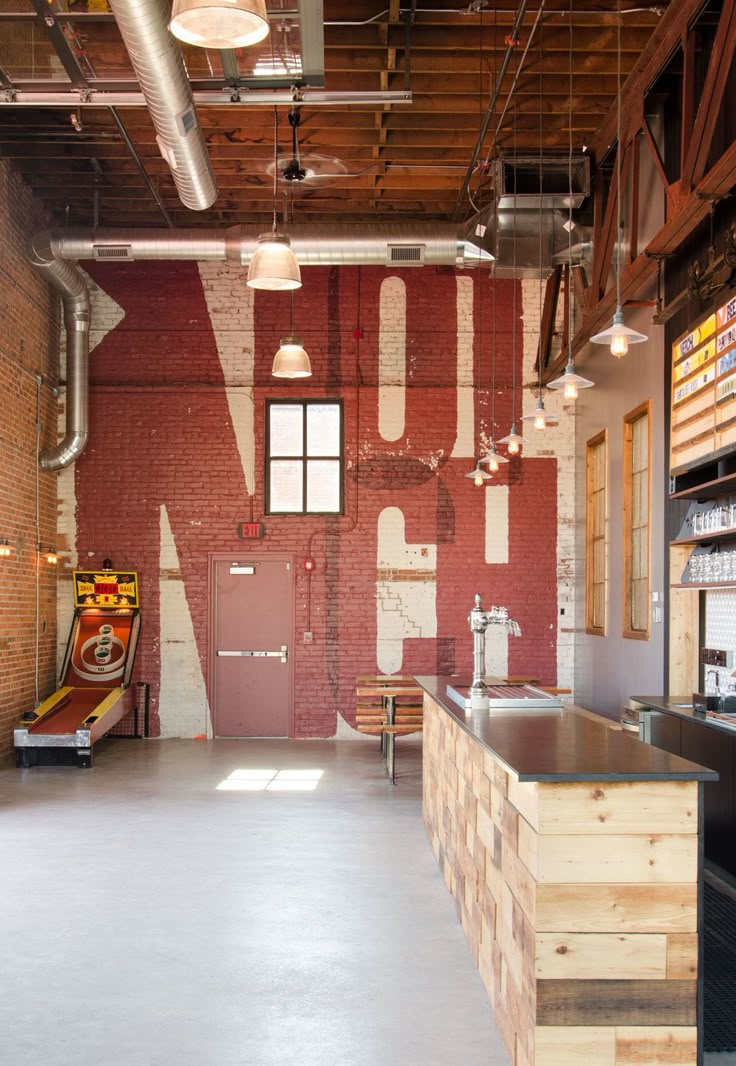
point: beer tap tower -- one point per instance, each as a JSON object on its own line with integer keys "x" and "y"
{"x": 479, "y": 621}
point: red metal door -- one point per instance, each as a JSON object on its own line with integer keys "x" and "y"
{"x": 252, "y": 637}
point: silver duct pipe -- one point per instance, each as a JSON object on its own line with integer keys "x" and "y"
{"x": 159, "y": 68}
{"x": 528, "y": 244}
{"x": 417, "y": 244}
{"x": 54, "y": 255}
{"x": 68, "y": 281}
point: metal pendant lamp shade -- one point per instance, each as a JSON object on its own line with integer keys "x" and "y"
{"x": 219, "y": 23}
{"x": 493, "y": 459}
{"x": 540, "y": 418}
{"x": 618, "y": 335}
{"x": 274, "y": 266}
{"x": 570, "y": 382}
{"x": 513, "y": 440}
{"x": 291, "y": 360}
{"x": 478, "y": 476}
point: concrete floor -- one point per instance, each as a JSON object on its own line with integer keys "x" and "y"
{"x": 150, "y": 919}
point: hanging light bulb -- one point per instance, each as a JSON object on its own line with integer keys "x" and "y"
{"x": 219, "y": 23}
{"x": 570, "y": 382}
{"x": 618, "y": 335}
{"x": 493, "y": 459}
{"x": 540, "y": 418}
{"x": 513, "y": 440}
{"x": 274, "y": 266}
{"x": 291, "y": 360}
{"x": 478, "y": 476}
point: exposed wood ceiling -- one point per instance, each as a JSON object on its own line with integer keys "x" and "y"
{"x": 399, "y": 162}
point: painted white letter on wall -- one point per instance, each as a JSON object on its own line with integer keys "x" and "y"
{"x": 392, "y": 359}
{"x": 406, "y": 590}
{"x": 183, "y": 699}
{"x": 465, "y": 439}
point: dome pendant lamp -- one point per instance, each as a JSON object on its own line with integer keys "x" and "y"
{"x": 219, "y": 23}
{"x": 618, "y": 335}
{"x": 274, "y": 266}
{"x": 291, "y": 360}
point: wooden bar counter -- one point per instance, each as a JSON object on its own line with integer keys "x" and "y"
{"x": 574, "y": 855}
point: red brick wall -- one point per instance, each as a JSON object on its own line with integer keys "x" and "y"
{"x": 29, "y": 331}
{"x": 161, "y": 433}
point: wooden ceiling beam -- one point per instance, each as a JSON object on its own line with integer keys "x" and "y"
{"x": 464, "y": 38}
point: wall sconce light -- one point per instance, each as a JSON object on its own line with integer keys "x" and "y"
{"x": 50, "y": 556}
{"x": 5, "y": 550}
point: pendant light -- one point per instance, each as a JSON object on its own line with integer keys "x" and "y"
{"x": 569, "y": 381}
{"x": 618, "y": 335}
{"x": 493, "y": 459}
{"x": 274, "y": 266}
{"x": 513, "y": 439}
{"x": 291, "y": 360}
{"x": 539, "y": 417}
{"x": 219, "y": 23}
{"x": 479, "y": 475}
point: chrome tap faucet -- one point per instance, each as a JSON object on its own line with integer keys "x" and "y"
{"x": 479, "y": 621}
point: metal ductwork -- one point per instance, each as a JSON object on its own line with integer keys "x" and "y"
{"x": 324, "y": 245}
{"x": 528, "y": 244}
{"x": 159, "y": 68}
{"x": 69, "y": 282}
{"x": 54, "y": 255}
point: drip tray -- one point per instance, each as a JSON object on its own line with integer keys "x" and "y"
{"x": 507, "y": 697}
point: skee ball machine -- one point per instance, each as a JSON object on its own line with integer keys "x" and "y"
{"x": 95, "y": 678}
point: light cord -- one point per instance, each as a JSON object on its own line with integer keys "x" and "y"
{"x": 541, "y": 198}
{"x": 618, "y": 157}
{"x": 275, "y": 164}
{"x": 570, "y": 320}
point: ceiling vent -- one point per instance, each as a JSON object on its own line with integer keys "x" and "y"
{"x": 112, "y": 251}
{"x": 406, "y": 255}
{"x": 516, "y": 181}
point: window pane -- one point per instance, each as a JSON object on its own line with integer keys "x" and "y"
{"x": 644, "y": 499}
{"x": 323, "y": 485}
{"x": 287, "y": 429}
{"x": 286, "y": 485}
{"x": 636, "y": 553}
{"x": 323, "y": 429}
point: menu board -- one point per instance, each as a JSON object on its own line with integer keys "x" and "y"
{"x": 704, "y": 389}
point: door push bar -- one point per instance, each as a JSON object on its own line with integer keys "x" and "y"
{"x": 283, "y": 654}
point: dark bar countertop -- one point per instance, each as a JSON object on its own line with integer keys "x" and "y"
{"x": 682, "y": 707}
{"x": 563, "y": 745}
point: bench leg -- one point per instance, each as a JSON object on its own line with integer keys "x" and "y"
{"x": 390, "y": 705}
{"x": 390, "y": 759}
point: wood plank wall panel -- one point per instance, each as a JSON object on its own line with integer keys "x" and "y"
{"x": 578, "y": 901}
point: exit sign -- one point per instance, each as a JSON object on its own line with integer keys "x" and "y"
{"x": 251, "y": 530}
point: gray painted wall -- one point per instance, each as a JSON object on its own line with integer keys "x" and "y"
{"x": 609, "y": 669}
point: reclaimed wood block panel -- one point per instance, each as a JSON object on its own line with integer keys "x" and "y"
{"x": 579, "y": 902}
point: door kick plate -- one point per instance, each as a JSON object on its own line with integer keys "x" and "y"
{"x": 282, "y": 654}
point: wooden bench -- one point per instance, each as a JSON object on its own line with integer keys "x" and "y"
{"x": 388, "y": 705}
